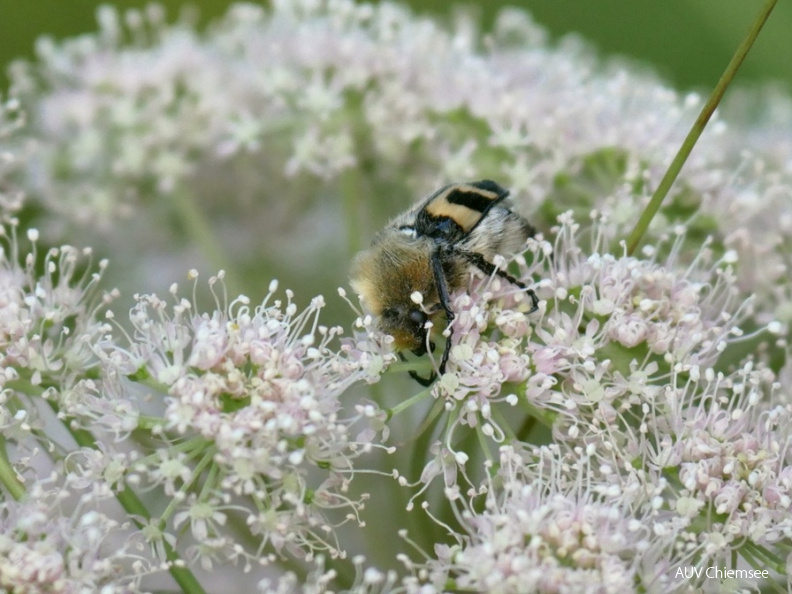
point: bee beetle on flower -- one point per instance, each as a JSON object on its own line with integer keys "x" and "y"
{"x": 424, "y": 254}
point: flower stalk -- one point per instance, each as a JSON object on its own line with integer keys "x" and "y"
{"x": 698, "y": 127}
{"x": 8, "y": 476}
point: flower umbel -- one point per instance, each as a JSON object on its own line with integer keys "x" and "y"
{"x": 251, "y": 408}
{"x": 544, "y": 527}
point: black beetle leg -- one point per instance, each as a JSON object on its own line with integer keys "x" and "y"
{"x": 424, "y": 381}
{"x": 442, "y": 293}
{"x": 488, "y": 268}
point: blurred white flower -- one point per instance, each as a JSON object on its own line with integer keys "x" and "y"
{"x": 11, "y": 121}
{"x": 44, "y": 551}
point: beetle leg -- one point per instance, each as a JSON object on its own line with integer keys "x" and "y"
{"x": 489, "y": 268}
{"x": 442, "y": 292}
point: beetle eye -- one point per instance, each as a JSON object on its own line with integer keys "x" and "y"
{"x": 418, "y": 317}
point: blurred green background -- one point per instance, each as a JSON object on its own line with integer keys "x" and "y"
{"x": 688, "y": 42}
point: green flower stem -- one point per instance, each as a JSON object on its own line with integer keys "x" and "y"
{"x": 430, "y": 420}
{"x": 187, "y": 487}
{"x": 698, "y": 127}
{"x": 143, "y": 378}
{"x": 191, "y": 447}
{"x": 211, "y": 482}
{"x": 759, "y": 557}
{"x": 135, "y": 508}
{"x": 8, "y": 476}
{"x": 503, "y": 423}
{"x": 405, "y": 404}
{"x": 546, "y": 417}
{"x": 199, "y": 230}
{"x": 484, "y": 444}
